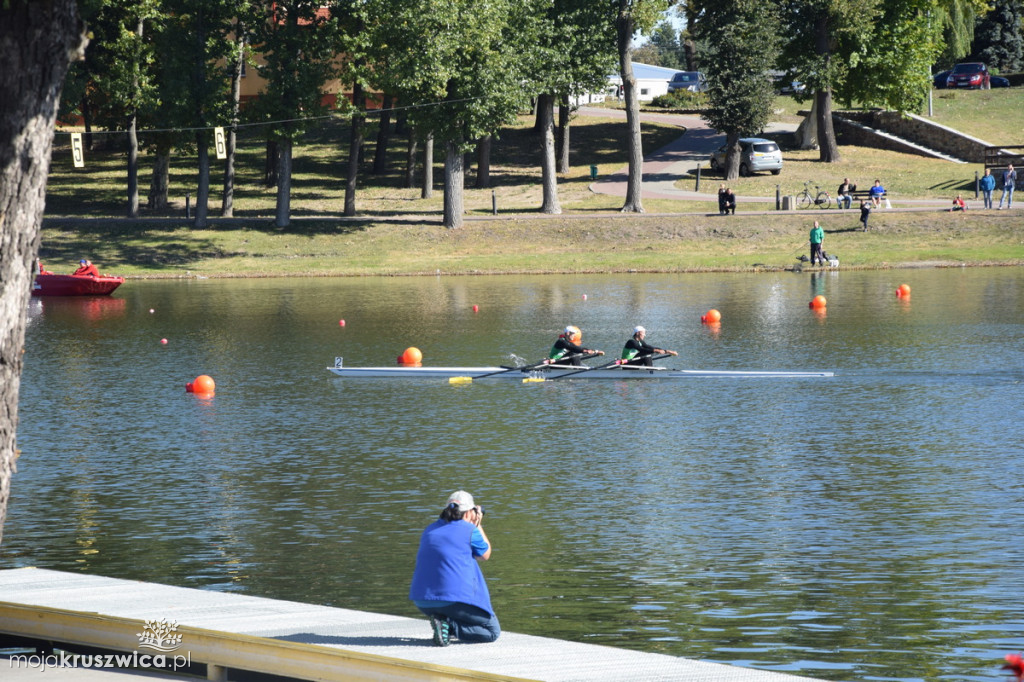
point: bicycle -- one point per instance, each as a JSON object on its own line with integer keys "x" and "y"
{"x": 820, "y": 199}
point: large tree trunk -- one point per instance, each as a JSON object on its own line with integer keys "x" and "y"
{"x": 380, "y": 152}
{"x": 807, "y": 131}
{"x": 410, "y": 161}
{"x": 454, "y": 176}
{"x": 227, "y": 205}
{"x": 39, "y": 41}
{"x": 355, "y": 146}
{"x": 546, "y": 115}
{"x": 427, "y": 190}
{"x": 625, "y": 28}
{"x": 828, "y": 150}
{"x": 284, "y": 183}
{"x": 483, "y": 162}
{"x": 203, "y": 190}
{"x": 562, "y": 136}
{"x": 159, "y": 181}
{"x": 133, "y": 170}
{"x": 732, "y": 156}
{"x": 271, "y": 162}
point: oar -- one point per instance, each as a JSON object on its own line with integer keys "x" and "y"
{"x": 579, "y": 371}
{"x": 467, "y": 380}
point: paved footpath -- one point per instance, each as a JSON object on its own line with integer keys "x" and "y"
{"x": 665, "y": 166}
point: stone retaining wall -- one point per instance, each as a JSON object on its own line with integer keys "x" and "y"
{"x": 915, "y": 129}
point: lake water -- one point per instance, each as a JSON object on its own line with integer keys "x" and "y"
{"x": 865, "y": 526}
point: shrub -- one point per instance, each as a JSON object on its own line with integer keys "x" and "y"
{"x": 680, "y": 99}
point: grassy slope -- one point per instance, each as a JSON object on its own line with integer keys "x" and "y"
{"x": 401, "y": 232}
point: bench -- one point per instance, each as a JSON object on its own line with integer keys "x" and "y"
{"x": 859, "y": 195}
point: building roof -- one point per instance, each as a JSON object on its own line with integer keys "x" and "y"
{"x": 647, "y": 72}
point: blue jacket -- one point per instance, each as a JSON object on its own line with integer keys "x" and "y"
{"x": 446, "y": 569}
{"x": 988, "y": 183}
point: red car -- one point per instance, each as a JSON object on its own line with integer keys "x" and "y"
{"x": 969, "y": 75}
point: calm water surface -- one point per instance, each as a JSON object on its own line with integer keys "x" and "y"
{"x": 861, "y": 527}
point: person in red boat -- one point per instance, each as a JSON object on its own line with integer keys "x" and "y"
{"x": 86, "y": 269}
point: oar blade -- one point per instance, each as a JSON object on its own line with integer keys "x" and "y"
{"x": 460, "y": 380}
{"x": 534, "y": 380}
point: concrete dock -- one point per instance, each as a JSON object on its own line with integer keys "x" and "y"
{"x": 116, "y": 623}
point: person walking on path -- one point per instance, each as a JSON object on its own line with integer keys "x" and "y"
{"x": 447, "y": 583}
{"x": 817, "y": 237}
{"x": 865, "y": 213}
{"x": 1009, "y": 184}
{"x": 987, "y": 184}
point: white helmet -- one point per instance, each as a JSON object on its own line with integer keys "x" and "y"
{"x": 639, "y": 330}
{"x": 572, "y": 330}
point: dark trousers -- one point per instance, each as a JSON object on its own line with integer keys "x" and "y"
{"x": 816, "y": 255}
{"x": 468, "y": 623}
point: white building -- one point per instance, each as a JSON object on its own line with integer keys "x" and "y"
{"x": 651, "y": 81}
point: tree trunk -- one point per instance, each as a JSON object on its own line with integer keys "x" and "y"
{"x": 87, "y": 121}
{"x": 549, "y": 184}
{"x": 828, "y": 150}
{"x": 427, "y": 190}
{"x": 732, "y": 156}
{"x": 410, "y": 161}
{"x": 562, "y": 136}
{"x": 203, "y": 189}
{"x": 133, "y": 170}
{"x": 271, "y": 162}
{"x": 42, "y": 38}
{"x": 380, "y": 152}
{"x": 227, "y": 205}
{"x": 625, "y": 28}
{"x": 157, "y": 199}
{"x": 483, "y": 162}
{"x": 807, "y": 131}
{"x": 355, "y": 146}
{"x": 284, "y": 183}
{"x": 454, "y": 176}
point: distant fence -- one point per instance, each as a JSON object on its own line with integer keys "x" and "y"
{"x": 999, "y": 157}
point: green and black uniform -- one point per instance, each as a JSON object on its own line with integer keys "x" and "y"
{"x": 638, "y": 352}
{"x": 565, "y": 352}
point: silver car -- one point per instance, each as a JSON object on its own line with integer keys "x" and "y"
{"x": 756, "y": 154}
{"x": 693, "y": 81}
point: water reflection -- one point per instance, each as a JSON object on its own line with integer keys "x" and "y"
{"x": 848, "y": 528}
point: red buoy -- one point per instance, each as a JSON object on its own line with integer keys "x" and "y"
{"x": 202, "y": 385}
{"x": 476, "y": 308}
{"x": 411, "y": 357}
{"x": 341, "y": 323}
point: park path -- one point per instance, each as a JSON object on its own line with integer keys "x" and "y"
{"x": 663, "y": 167}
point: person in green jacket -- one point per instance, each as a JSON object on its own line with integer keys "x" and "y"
{"x": 817, "y": 236}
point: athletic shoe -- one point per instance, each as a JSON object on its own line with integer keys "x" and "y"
{"x": 439, "y": 624}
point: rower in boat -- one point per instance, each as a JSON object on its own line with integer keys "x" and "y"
{"x": 567, "y": 349}
{"x": 639, "y": 352}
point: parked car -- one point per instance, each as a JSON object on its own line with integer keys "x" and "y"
{"x": 756, "y": 154}
{"x": 693, "y": 81}
{"x": 939, "y": 79}
{"x": 999, "y": 82}
{"x": 969, "y": 75}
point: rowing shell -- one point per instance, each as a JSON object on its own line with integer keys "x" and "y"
{"x": 555, "y": 371}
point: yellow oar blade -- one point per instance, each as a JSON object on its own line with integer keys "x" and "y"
{"x": 460, "y": 380}
{"x": 534, "y": 380}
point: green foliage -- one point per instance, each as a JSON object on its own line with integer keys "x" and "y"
{"x": 955, "y": 21}
{"x": 681, "y": 99}
{"x": 999, "y": 37}
{"x": 741, "y": 46}
{"x": 665, "y": 43}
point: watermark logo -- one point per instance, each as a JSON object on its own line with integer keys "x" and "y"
{"x": 159, "y": 635}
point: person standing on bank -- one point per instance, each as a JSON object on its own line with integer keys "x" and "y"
{"x": 639, "y": 352}
{"x": 817, "y": 237}
{"x": 865, "y": 213}
{"x": 447, "y": 584}
{"x": 987, "y": 184}
{"x": 1009, "y": 184}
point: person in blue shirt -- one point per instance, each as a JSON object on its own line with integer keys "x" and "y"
{"x": 876, "y": 193}
{"x": 447, "y": 584}
{"x": 987, "y": 185}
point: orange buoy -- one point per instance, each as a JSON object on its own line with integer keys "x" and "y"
{"x": 711, "y": 317}
{"x": 818, "y": 302}
{"x": 903, "y": 291}
{"x": 203, "y": 384}
{"x": 411, "y": 356}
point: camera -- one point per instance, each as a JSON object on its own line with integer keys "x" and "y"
{"x": 480, "y": 510}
